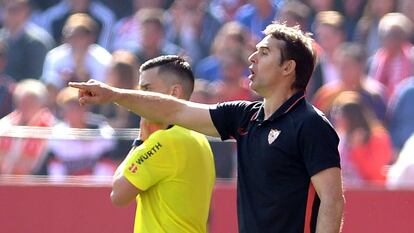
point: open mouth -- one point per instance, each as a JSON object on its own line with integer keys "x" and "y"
{"x": 251, "y": 70}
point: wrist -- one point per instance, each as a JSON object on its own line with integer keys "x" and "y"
{"x": 116, "y": 95}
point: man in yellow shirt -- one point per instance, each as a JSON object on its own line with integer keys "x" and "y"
{"x": 170, "y": 170}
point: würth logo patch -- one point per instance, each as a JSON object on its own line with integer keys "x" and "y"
{"x": 149, "y": 153}
{"x": 273, "y": 134}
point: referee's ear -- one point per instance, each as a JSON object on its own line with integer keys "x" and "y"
{"x": 177, "y": 91}
{"x": 289, "y": 67}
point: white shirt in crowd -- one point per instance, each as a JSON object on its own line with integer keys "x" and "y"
{"x": 59, "y": 61}
{"x": 401, "y": 174}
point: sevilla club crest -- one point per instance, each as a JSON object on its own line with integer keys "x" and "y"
{"x": 273, "y": 134}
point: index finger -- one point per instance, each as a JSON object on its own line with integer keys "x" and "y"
{"x": 81, "y": 85}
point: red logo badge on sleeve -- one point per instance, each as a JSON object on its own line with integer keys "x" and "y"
{"x": 133, "y": 168}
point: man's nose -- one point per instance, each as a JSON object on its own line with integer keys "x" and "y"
{"x": 252, "y": 57}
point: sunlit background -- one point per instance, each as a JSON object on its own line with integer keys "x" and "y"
{"x": 57, "y": 158}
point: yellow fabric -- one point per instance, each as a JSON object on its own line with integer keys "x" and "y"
{"x": 174, "y": 169}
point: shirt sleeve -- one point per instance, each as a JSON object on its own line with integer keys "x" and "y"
{"x": 318, "y": 143}
{"x": 50, "y": 74}
{"x": 150, "y": 163}
{"x": 227, "y": 117}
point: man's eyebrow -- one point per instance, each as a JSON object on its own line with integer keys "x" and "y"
{"x": 262, "y": 46}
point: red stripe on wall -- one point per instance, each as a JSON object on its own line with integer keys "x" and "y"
{"x": 309, "y": 207}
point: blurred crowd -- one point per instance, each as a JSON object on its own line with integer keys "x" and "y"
{"x": 364, "y": 80}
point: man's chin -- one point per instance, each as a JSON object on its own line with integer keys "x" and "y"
{"x": 253, "y": 86}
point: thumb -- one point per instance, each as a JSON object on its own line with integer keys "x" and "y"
{"x": 87, "y": 99}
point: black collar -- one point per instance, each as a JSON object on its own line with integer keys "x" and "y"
{"x": 285, "y": 108}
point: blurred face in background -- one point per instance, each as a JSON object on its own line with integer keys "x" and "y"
{"x": 116, "y": 79}
{"x": 112, "y": 77}
{"x": 15, "y": 15}
{"x": 329, "y": 37}
{"x": 350, "y": 71}
{"x": 80, "y": 40}
{"x": 28, "y": 105}
{"x": 393, "y": 40}
{"x": 192, "y": 5}
{"x": 232, "y": 69}
{"x": 152, "y": 35}
{"x": 74, "y": 114}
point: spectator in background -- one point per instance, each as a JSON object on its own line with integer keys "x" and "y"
{"x": 401, "y": 114}
{"x": 234, "y": 85}
{"x": 78, "y": 58}
{"x": 27, "y": 44}
{"x": 225, "y": 10}
{"x": 122, "y": 72}
{"x": 407, "y": 8}
{"x": 6, "y": 84}
{"x": 352, "y": 11}
{"x": 367, "y": 27}
{"x": 392, "y": 62}
{"x": 330, "y": 34}
{"x": 85, "y": 157}
{"x": 126, "y": 32}
{"x": 193, "y": 27}
{"x": 231, "y": 37}
{"x": 317, "y": 6}
{"x": 294, "y": 12}
{"x": 365, "y": 146}
{"x": 256, "y": 15}
{"x": 350, "y": 59}
{"x": 56, "y": 16}
{"x": 153, "y": 42}
{"x": 203, "y": 92}
{"x": 25, "y": 155}
{"x": 401, "y": 174}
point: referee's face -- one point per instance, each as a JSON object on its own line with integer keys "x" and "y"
{"x": 265, "y": 66}
{"x": 150, "y": 80}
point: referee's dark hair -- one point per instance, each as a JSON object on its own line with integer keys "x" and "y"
{"x": 172, "y": 66}
{"x": 298, "y": 47}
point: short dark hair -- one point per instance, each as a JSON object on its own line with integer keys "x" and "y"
{"x": 173, "y": 65}
{"x": 298, "y": 47}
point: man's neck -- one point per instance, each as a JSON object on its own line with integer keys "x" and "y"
{"x": 277, "y": 99}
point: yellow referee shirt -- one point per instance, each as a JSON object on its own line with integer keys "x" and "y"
{"x": 174, "y": 169}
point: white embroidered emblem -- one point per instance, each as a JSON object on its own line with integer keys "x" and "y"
{"x": 273, "y": 134}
